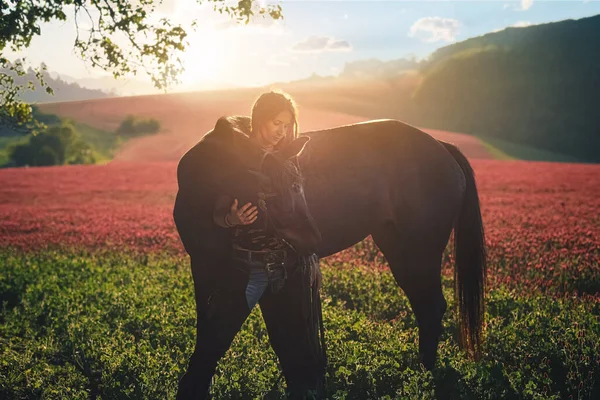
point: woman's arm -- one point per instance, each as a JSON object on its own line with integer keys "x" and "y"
{"x": 222, "y": 206}
{"x": 227, "y": 215}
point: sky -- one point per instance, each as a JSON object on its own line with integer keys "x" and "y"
{"x": 314, "y": 36}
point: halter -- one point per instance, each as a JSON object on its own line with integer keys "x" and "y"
{"x": 262, "y": 204}
{"x": 263, "y": 196}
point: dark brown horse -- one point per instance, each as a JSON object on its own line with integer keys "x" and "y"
{"x": 395, "y": 182}
{"x": 409, "y": 191}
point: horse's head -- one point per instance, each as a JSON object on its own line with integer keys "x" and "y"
{"x": 281, "y": 198}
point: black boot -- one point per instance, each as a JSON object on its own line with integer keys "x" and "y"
{"x": 192, "y": 388}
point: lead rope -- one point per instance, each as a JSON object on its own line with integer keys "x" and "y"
{"x": 314, "y": 308}
{"x": 315, "y": 322}
{"x": 323, "y": 348}
{"x": 315, "y": 312}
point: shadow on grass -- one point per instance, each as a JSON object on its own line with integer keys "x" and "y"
{"x": 451, "y": 384}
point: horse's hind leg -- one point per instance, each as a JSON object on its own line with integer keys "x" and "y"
{"x": 417, "y": 270}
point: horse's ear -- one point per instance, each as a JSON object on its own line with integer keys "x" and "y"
{"x": 293, "y": 149}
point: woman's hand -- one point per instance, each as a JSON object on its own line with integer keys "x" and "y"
{"x": 243, "y": 216}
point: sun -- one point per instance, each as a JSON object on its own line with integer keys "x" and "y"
{"x": 204, "y": 58}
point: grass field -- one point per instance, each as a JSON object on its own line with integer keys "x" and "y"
{"x": 97, "y": 297}
{"x": 115, "y": 325}
{"x": 503, "y": 150}
{"x": 105, "y": 144}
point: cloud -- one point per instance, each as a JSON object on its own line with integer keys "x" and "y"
{"x": 339, "y": 45}
{"x": 526, "y": 4}
{"x": 435, "y": 29}
{"x": 320, "y": 44}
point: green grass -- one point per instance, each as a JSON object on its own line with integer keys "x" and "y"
{"x": 105, "y": 143}
{"x": 5, "y": 143}
{"x": 503, "y": 150}
{"x": 114, "y": 326}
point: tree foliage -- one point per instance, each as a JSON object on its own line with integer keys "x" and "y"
{"x": 57, "y": 145}
{"x": 135, "y": 126}
{"x": 123, "y": 39}
{"x": 39, "y": 119}
{"x": 535, "y": 86}
{"x": 13, "y": 112}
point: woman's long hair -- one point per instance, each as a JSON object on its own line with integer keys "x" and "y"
{"x": 266, "y": 108}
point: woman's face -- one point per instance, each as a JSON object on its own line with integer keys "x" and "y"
{"x": 274, "y": 130}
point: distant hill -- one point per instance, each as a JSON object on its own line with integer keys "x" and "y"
{"x": 543, "y": 39}
{"x": 186, "y": 117}
{"x": 534, "y": 87}
{"x": 537, "y": 86}
{"x": 63, "y": 91}
{"x": 137, "y": 87}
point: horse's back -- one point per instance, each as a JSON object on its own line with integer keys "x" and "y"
{"x": 359, "y": 176}
{"x": 369, "y": 139}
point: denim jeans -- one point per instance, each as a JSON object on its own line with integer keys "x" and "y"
{"x": 257, "y": 284}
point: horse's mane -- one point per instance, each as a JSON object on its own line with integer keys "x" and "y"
{"x": 229, "y": 129}
{"x": 225, "y": 150}
{"x": 213, "y": 166}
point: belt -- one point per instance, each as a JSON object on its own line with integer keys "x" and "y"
{"x": 269, "y": 259}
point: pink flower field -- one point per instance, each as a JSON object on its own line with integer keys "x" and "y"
{"x": 542, "y": 220}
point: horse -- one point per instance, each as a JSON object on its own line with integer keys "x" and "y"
{"x": 390, "y": 180}
{"x": 409, "y": 191}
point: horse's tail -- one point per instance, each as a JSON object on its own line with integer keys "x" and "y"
{"x": 470, "y": 255}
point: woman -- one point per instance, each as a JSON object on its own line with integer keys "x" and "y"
{"x": 261, "y": 265}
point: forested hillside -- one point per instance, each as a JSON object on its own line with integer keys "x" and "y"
{"x": 538, "y": 85}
